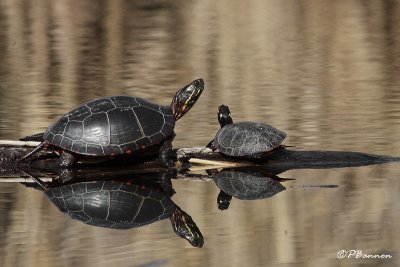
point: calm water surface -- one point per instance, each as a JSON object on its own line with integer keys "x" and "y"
{"x": 325, "y": 72}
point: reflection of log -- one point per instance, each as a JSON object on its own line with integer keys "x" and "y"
{"x": 23, "y": 175}
{"x": 22, "y": 180}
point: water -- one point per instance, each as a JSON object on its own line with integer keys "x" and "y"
{"x": 325, "y": 72}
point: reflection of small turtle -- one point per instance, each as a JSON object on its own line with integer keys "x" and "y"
{"x": 121, "y": 205}
{"x": 118, "y": 125}
{"x": 244, "y": 139}
{"x": 244, "y": 185}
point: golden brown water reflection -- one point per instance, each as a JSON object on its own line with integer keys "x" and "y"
{"x": 326, "y": 72}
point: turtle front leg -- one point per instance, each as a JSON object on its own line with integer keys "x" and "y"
{"x": 166, "y": 156}
{"x": 212, "y": 145}
{"x": 66, "y": 159}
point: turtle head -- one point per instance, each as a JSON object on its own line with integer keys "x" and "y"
{"x": 185, "y": 98}
{"x": 185, "y": 227}
{"x": 224, "y": 116}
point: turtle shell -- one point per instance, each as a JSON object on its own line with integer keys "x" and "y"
{"x": 247, "y": 139}
{"x": 112, "y": 126}
{"x": 247, "y": 186}
{"x": 111, "y": 204}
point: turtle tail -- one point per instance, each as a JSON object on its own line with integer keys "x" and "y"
{"x": 36, "y": 137}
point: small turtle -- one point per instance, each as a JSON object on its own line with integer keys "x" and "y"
{"x": 245, "y": 184}
{"x": 122, "y": 205}
{"x": 244, "y": 139}
{"x": 117, "y": 125}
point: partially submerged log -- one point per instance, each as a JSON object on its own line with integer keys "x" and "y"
{"x": 11, "y": 151}
{"x": 191, "y": 159}
{"x": 286, "y": 159}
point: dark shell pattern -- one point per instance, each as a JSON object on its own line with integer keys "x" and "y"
{"x": 110, "y": 204}
{"x": 248, "y": 138}
{"x": 112, "y": 125}
{"x": 247, "y": 186}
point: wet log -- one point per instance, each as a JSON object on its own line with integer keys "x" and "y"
{"x": 288, "y": 159}
{"x": 201, "y": 158}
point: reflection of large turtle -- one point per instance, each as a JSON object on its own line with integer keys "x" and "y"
{"x": 244, "y": 185}
{"x": 118, "y": 125}
{"x": 120, "y": 205}
{"x": 244, "y": 139}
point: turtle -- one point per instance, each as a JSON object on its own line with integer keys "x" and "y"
{"x": 120, "y": 204}
{"x": 244, "y": 184}
{"x": 117, "y": 125}
{"x": 245, "y": 139}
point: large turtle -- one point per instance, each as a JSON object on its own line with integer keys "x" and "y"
{"x": 121, "y": 204}
{"x": 117, "y": 125}
{"x": 244, "y": 139}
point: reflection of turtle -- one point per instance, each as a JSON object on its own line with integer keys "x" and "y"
{"x": 244, "y": 139}
{"x": 244, "y": 185}
{"x": 119, "y": 125}
{"x": 122, "y": 205}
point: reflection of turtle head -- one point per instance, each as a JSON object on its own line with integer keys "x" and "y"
{"x": 185, "y": 98}
{"x": 185, "y": 227}
{"x": 223, "y": 200}
{"x": 224, "y": 116}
